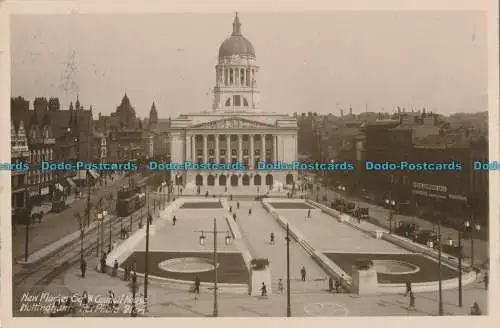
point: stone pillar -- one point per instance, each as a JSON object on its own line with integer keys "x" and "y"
{"x": 263, "y": 147}
{"x": 228, "y": 148}
{"x": 193, "y": 148}
{"x": 217, "y": 160}
{"x": 205, "y": 148}
{"x": 275, "y": 145}
{"x": 252, "y": 158}
{"x": 240, "y": 148}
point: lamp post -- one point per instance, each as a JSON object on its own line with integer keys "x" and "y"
{"x": 460, "y": 268}
{"x": 288, "y": 301}
{"x": 99, "y": 228}
{"x": 390, "y": 204}
{"x": 202, "y": 243}
{"x": 439, "y": 270}
{"x": 471, "y": 227}
{"x": 146, "y": 270}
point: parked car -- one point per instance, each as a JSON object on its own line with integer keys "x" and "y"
{"x": 58, "y": 206}
{"x": 405, "y": 229}
{"x": 425, "y": 236}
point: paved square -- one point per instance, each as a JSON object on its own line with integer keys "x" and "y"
{"x": 326, "y": 234}
{"x": 231, "y": 269}
{"x": 428, "y": 268}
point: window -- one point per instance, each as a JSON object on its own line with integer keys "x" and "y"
{"x": 245, "y": 152}
{"x": 257, "y": 152}
{"x": 222, "y": 152}
{"x": 199, "y": 152}
{"x": 231, "y": 77}
{"x": 211, "y": 152}
{"x": 233, "y": 152}
{"x": 237, "y": 101}
{"x": 245, "y": 161}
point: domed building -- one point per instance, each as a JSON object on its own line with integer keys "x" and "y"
{"x": 236, "y": 130}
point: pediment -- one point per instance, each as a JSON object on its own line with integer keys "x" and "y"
{"x": 232, "y": 123}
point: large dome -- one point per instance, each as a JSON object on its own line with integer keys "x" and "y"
{"x": 236, "y": 44}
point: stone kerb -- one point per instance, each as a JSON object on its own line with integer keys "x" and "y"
{"x": 430, "y": 286}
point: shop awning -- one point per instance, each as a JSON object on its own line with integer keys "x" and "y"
{"x": 80, "y": 175}
{"x": 71, "y": 182}
{"x": 93, "y": 174}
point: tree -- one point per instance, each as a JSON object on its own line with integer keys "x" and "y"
{"x": 81, "y": 225}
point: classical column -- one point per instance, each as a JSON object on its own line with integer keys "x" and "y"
{"x": 275, "y": 145}
{"x": 252, "y": 160}
{"x": 240, "y": 148}
{"x": 228, "y": 148}
{"x": 263, "y": 147}
{"x": 193, "y": 148}
{"x": 217, "y": 149}
{"x": 205, "y": 148}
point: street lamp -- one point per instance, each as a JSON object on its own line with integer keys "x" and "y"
{"x": 390, "y": 204}
{"x": 471, "y": 227}
{"x": 228, "y": 241}
{"x": 99, "y": 228}
{"x": 288, "y": 302}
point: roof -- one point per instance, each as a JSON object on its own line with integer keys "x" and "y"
{"x": 236, "y": 44}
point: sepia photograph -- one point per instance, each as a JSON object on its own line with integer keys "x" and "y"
{"x": 250, "y": 164}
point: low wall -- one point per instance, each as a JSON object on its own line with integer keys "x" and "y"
{"x": 322, "y": 260}
{"x": 409, "y": 245}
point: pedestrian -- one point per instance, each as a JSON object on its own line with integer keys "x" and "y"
{"x": 249, "y": 211}
{"x": 412, "y": 301}
{"x": 263, "y": 289}
{"x": 225, "y": 189}
{"x": 174, "y": 220}
{"x": 271, "y": 238}
{"x": 230, "y": 209}
{"x": 103, "y": 264}
{"x": 234, "y": 216}
{"x": 408, "y": 287}
{"x": 303, "y": 273}
{"x": 230, "y": 197}
{"x": 83, "y": 266}
{"x": 197, "y": 286}
{"x": 309, "y": 213}
{"x": 150, "y": 219}
{"x": 330, "y": 284}
{"x": 238, "y": 205}
{"x": 115, "y": 268}
{"x": 474, "y": 310}
{"x": 134, "y": 277}
{"x": 280, "y": 286}
{"x": 486, "y": 280}
{"x": 181, "y": 191}
{"x": 206, "y": 194}
{"x": 85, "y": 298}
{"x": 337, "y": 286}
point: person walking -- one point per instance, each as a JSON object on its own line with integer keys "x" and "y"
{"x": 486, "y": 280}
{"x": 238, "y": 205}
{"x": 330, "y": 284}
{"x": 115, "y": 268}
{"x": 249, "y": 211}
{"x": 83, "y": 266}
{"x": 197, "y": 286}
{"x": 408, "y": 287}
{"x": 412, "y": 301}
{"x": 234, "y": 216}
{"x": 103, "y": 263}
{"x": 263, "y": 290}
{"x": 303, "y": 273}
{"x": 337, "y": 286}
{"x": 309, "y": 213}
{"x": 271, "y": 238}
{"x": 174, "y": 220}
{"x": 230, "y": 209}
{"x": 281, "y": 288}
{"x": 474, "y": 310}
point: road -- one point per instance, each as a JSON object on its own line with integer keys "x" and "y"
{"x": 58, "y": 225}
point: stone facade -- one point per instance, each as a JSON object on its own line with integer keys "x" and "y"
{"x": 236, "y": 130}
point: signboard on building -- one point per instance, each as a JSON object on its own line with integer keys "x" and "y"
{"x": 429, "y": 190}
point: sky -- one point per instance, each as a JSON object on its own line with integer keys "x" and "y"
{"x": 309, "y": 61}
